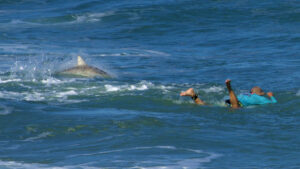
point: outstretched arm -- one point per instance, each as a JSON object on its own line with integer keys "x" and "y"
{"x": 190, "y": 92}
{"x": 233, "y": 99}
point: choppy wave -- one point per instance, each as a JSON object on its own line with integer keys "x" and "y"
{"x": 71, "y": 90}
{"x": 156, "y": 49}
{"x": 51, "y": 89}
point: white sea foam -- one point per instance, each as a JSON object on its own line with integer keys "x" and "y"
{"x": 68, "y": 101}
{"x": 35, "y": 96}
{"x": 114, "y": 54}
{"x": 157, "y": 53}
{"x": 14, "y": 164}
{"x": 42, "y": 135}
{"x": 44, "y": 91}
{"x": 298, "y": 93}
{"x": 213, "y": 89}
{"x": 135, "y": 52}
{"x": 43, "y": 95}
{"x": 192, "y": 163}
{"x": 185, "y": 163}
{"x": 92, "y": 17}
{"x": 9, "y": 80}
{"x": 9, "y": 95}
{"x": 83, "y": 18}
{"x": 111, "y": 88}
{"x": 66, "y": 93}
{"x": 51, "y": 80}
{"x": 144, "y": 52}
{"x": 140, "y": 86}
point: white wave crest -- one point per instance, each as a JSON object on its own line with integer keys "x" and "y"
{"x": 134, "y": 52}
{"x": 140, "y": 86}
{"x": 111, "y": 88}
{"x": 66, "y": 93}
{"x": 213, "y": 89}
{"x": 27, "y": 96}
{"x": 35, "y": 96}
{"x": 92, "y": 17}
{"x": 143, "y": 85}
{"x": 52, "y": 89}
{"x": 14, "y": 164}
{"x": 10, "y": 80}
{"x": 42, "y": 135}
{"x": 197, "y": 162}
{"x": 83, "y": 18}
{"x": 51, "y": 80}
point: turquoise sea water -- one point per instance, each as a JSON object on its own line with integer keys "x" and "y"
{"x": 154, "y": 49}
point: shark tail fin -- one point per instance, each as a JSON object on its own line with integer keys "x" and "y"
{"x": 80, "y": 61}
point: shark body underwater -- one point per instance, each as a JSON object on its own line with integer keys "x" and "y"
{"x": 83, "y": 70}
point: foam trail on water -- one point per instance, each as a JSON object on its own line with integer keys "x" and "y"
{"x": 10, "y": 80}
{"x": 14, "y": 164}
{"x": 42, "y": 135}
{"x": 92, "y": 17}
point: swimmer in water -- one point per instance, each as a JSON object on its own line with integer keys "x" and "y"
{"x": 256, "y": 97}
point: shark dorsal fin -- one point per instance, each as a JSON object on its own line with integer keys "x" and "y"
{"x": 80, "y": 61}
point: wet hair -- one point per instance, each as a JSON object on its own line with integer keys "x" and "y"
{"x": 257, "y": 90}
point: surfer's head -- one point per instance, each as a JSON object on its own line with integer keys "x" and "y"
{"x": 257, "y": 90}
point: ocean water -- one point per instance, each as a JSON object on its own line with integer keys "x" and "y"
{"x": 154, "y": 50}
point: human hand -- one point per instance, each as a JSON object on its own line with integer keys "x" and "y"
{"x": 228, "y": 81}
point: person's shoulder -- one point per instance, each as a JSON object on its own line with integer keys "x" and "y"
{"x": 258, "y": 96}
